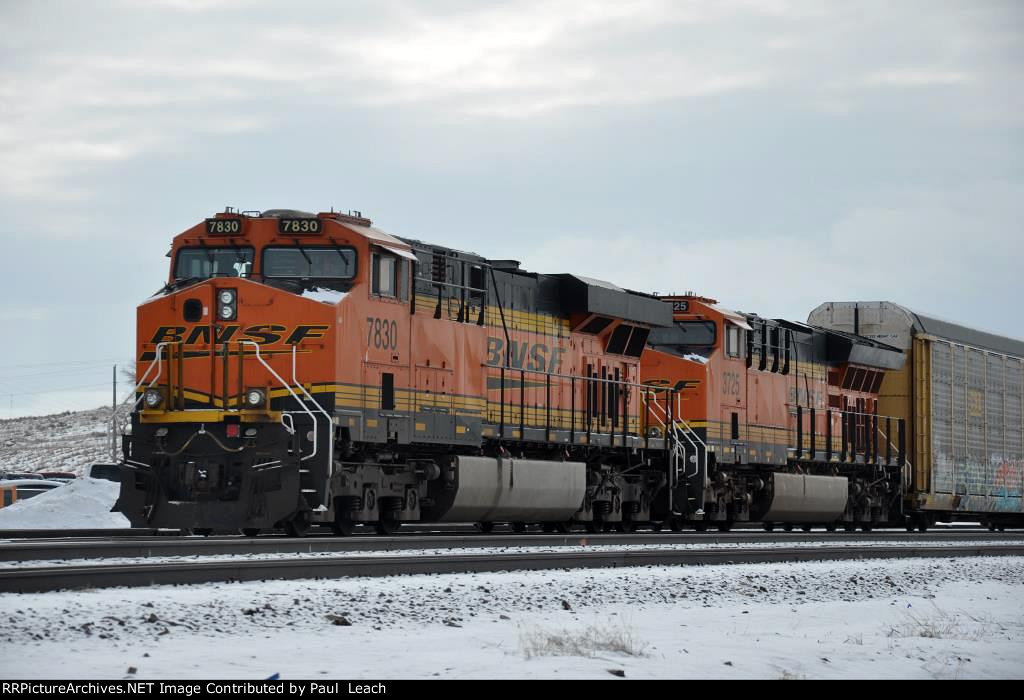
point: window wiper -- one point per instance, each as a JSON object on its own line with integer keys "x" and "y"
{"x": 239, "y": 258}
{"x": 341, "y": 253}
{"x": 306, "y": 256}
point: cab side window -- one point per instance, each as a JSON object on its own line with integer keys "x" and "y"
{"x": 732, "y": 341}
{"x": 385, "y": 277}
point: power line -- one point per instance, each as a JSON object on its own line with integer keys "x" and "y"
{"x": 59, "y": 364}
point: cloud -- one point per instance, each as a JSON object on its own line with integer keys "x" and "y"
{"x": 940, "y": 251}
{"x": 153, "y": 80}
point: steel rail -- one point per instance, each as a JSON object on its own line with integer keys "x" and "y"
{"x": 40, "y": 579}
{"x": 194, "y": 546}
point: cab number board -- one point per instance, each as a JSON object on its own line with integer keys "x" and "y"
{"x": 294, "y": 226}
{"x": 223, "y": 227}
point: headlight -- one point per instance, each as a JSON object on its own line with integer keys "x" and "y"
{"x": 152, "y": 398}
{"x": 254, "y": 398}
{"x": 227, "y": 307}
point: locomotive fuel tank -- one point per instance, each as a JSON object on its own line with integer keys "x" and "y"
{"x": 803, "y": 498}
{"x": 487, "y": 489}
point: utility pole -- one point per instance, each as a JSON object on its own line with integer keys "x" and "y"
{"x": 113, "y": 419}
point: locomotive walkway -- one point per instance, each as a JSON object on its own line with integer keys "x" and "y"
{"x": 73, "y": 576}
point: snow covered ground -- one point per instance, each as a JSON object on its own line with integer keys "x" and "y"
{"x": 924, "y": 618}
{"x": 61, "y": 442}
{"x": 81, "y": 503}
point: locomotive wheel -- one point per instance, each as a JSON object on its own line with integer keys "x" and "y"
{"x": 297, "y": 526}
{"x": 343, "y": 528}
{"x": 203, "y": 531}
{"x": 250, "y": 531}
{"x": 768, "y": 527}
{"x": 388, "y": 526}
{"x": 519, "y": 527}
{"x": 485, "y": 527}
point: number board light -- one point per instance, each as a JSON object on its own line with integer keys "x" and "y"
{"x": 309, "y": 227}
{"x": 224, "y": 227}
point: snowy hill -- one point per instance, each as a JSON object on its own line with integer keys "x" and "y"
{"x": 68, "y": 441}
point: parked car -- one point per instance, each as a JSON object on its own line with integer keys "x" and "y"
{"x": 26, "y": 488}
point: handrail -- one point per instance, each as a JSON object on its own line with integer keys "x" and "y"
{"x": 330, "y": 420}
{"x": 295, "y": 396}
{"x": 703, "y": 455}
{"x": 117, "y": 409}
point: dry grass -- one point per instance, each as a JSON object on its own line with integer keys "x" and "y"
{"x": 588, "y": 642}
{"x": 940, "y": 624}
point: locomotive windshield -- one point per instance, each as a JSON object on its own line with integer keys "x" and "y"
{"x": 684, "y": 337}
{"x": 203, "y": 263}
{"x": 296, "y": 262}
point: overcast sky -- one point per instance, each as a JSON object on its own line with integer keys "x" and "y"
{"x": 768, "y": 153}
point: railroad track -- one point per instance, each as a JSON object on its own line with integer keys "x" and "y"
{"x": 141, "y": 547}
{"x": 39, "y": 579}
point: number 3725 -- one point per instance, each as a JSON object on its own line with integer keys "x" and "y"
{"x": 381, "y": 333}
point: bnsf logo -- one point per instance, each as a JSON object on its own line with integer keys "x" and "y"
{"x": 534, "y": 358}
{"x": 264, "y": 334}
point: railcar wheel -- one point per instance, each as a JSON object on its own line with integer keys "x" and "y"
{"x": 485, "y": 527}
{"x": 563, "y": 528}
{"x": 297, "y": 526}
{"x": 831, "y": 527}
{"x": 805, "y": 528}
{"x": 608, "y": 527}
{"x": 592, "y": 527}
{"x": 656, "y": 526}
{"x": 388, "y": 526}
{"x": 866, "y": 527}
{"x": 1002, "y": 528}
{"x": 626, "y": 526}
{"x": 675, "y": 525}
{"x": 768, "y": 527}
{"x": 991, "y": 527}
{"x": 788, "y": 527}
{"x": 519, "y": 527}
{"x": 343, "y": 528}
{"x": 725, "y": 526}
{"x": 700, "y": 526}
{"x": 250, "y": 531}
{"x": 849, "y": 527}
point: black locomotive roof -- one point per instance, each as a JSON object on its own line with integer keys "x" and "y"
{"x": 558, "y": 293}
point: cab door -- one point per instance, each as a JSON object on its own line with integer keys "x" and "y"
{"x": 735, "y": 389}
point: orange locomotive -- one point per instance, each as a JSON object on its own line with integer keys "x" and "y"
{"x": 302, "y": 369}
{"x": 778, "y": 421}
